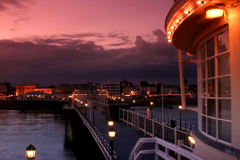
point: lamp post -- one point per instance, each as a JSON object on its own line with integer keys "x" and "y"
{"x": 111, "y": 134}
{"x": 180, "y": 109}
{"x": 86, "y": 108}
{"x": 30, "y": 152}
{"x": 93, "y": 108}
{"x": 134, "y": 105}
{"x": 81, "y": 104}
{"x": 151, "y": 108}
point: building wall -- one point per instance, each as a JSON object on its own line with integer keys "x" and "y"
{"x": 22, "y": 89}
{"x": 234, "y": 35}
{"x": 218, "y": 92}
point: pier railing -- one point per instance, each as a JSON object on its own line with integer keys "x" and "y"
{"x": 162, "y": 149}
{"x": 157, "y": 126}
{"x": 107, "y": 151}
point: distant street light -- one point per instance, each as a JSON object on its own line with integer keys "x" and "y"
{"x": 151, "y": 108}
{"x": 86, "y": 108}
{"x": 180, "y": 109}
{"x": 30, "y": 152}
{"x": 110, "y": 123}
{"x": 81, "y": 104}
{"x": 111, "y": 134}
{"x": 134, "y": 105}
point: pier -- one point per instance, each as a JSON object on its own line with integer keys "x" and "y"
{"x": 130, "y": 130}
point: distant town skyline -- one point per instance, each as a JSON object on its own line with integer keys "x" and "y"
{"x": 53, "y": 42}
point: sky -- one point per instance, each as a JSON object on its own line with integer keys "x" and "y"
{"x": 77, "y": 41}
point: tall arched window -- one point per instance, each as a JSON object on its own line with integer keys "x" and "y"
{"x": 215, "y": 87}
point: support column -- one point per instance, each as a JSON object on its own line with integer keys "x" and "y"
{"x": 181, "y": 79}
{"x": 234, "y": 37}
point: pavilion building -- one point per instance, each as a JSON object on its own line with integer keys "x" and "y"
{"x": 209, "y": 30}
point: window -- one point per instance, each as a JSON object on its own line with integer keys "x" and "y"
{"x": 215, "y": 91}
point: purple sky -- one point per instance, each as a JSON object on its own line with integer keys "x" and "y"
{"x": 76, "y": 41}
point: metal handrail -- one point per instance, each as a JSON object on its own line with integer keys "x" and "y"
{"x": 107, "y": 151}
{"x": 169, "y": 133}
{"x": 137, "y": 153}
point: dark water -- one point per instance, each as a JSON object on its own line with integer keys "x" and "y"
{"x": 45, "y": 131}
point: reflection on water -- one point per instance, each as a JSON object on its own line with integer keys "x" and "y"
{"x": 45, "y": 131}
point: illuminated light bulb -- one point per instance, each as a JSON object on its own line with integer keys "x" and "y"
{"x": 191, "y": 139}
{"x": 169, "y": 32}
{"x": 168, "y": 37}
{"x": 214, "y": 13}
{"x": 169, "y": 40}
{"x": 187, "y": 12}
{"x": 200, "y": 2}
{"x": 172, "y": 27}
{"x": 177, "y": 20}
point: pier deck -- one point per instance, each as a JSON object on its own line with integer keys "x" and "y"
{"x": 125, "y": 139}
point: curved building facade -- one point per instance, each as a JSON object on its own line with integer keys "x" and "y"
{"x": 210, "y": 31}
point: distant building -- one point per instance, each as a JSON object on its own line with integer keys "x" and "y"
{"x": 31, "y": 87}
{"x": 36, "y": 95}
{"x": 131, "y": 91}
{"x": 148, "y": 89}
{"x": 124, "y": 84}
{"x": 113, "y": 89}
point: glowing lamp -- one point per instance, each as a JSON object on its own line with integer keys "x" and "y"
{"x": 122, "y": 100}
{"x": 134, "y": 101}
{"x": 169, "y": 40}
{"x": 180, "y": 107}
{"x": 168, "y": 37}
{"x": 110, "y": 123}
{"x": 200, "y": 2}
{"x": 86, "y": 104}
{"x": 151, "y": 103}
{"x": 169, "y": 32}
{"x": 172, "y": 27}
{"x": 191, "y": 139}
{"x": 30, "y": 152}
{"x": 177, "y": 20}
{"x": 187, "y": 12}
{"x": 81, "y": 102}
{"x": 111, "y": 133}
{"x": 214, "y": 13}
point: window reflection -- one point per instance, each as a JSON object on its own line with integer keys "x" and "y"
{"x": 211, "y": 68}
{"x": 211, "y": 107}
{"x": 204, "y": 104}
{"x": 224, "y": 109}
{"x": 204, "y": 124}
{"x": 223, "y": 42}
{"x": 224, "y": 131}
{"x": 211, "y": 125}
{"x": 224, "y": 87}
{"x": 224, "y": 64}
{"x": 203, "y": 71}
{"x": 210, "y": 48}
{"x": 204, "y": 88}
{"x": 211, "y": 88}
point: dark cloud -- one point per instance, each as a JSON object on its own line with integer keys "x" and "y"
{"x": 5, "y": 4}
{"x": 70, "y": 59}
